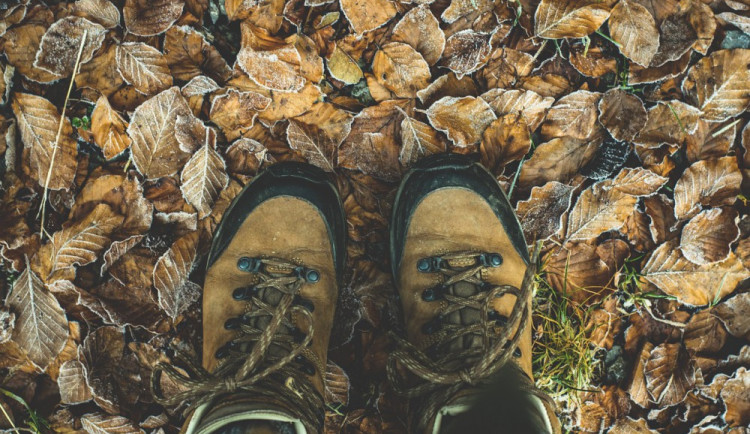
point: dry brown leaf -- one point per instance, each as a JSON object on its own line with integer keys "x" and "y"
{"x": 532, "y": 106}
{"x": 637, "y": 230}
{"x": 622, "y": 114}
{"x": 660, "y": 210}
{"x": 59, "y": 47}
{"x": 462, "y": 119}
{"x": 108, "y": 128}
{"x": 668, "y": 122}
{"x": 692, "y": 284}
{"x": 204, "y": 176}
{"x": 372, "y": 146}
{"x": 637, "y": 387}
{"x": 556, "y": 19}
{"x": 100, "y": 11}
{"x": 737, "y": 20}
{"x": 235, "y": 112}
{"x": 637, "y": 182}
{"x": 736, "y": 397}
{"x": 100, "y": 423}
{"x": 707, "y": 237}
{"x": 401, "y": 69}
{"x": 246, "y": 156}
{"x": 604, "y": 324}
{"x": 505, "y": 140}
{"x": 542, "y": 215}
{"x": 466, "y": 51}
{"x": 101, "y": 74}
{"x": 577, "y": 270}
{"x": 274, "y": 64}
{"x": 505, "y": 68}
{"x": 418, "y": 140}
{"x": 573, "y": 115}
{"x": 557, "y": 160}
{"x": 669, "y": 374}
{"x": 367, "y": 15}
{"x": 151, "y": 17}
{"x": 447, "y": 85}
{"x": 704, "y": 333}
{"x": 719, "y": 85}
{"x": 41, "y": 328}
{"x": 199, "y": 85}
{"x": 600, "y": 208}
{"x": 735, "y": 314}
{"x": 117, "y": 249}
{"x": 336, "y": 384}
{"x": 318, "y": 133}
{"x": 634, "y": 28}
{"x": 420, "y": 29}
{"x": 72, "y": 383}
{"x": 707, "y": 183}
{"x": 80, "y": 243}
{"x": 343, "y": 68}
{"x": 594, "y": 62}
{"x": 176, "y": 292}
{"x": 190, "y": 55}
{"x": 711, "y": 140}
{"x": 38, "y": 121}
{"x": 20, "y": 48}
{"x": 144, "y": 67}
{"x": 154, "y": 148}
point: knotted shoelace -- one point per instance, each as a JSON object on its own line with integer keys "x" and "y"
{"x": 451, "y": 371}
{"x": 257, "y": 373}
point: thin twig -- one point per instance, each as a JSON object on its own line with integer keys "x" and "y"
{"x": 43, "y": 206}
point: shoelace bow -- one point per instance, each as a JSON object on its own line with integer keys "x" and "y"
{"x": 447, "y": 374}
{"x": 254, "y": 373}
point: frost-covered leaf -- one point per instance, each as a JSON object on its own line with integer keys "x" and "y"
{"x": 420, "y": 29}
{"x": 418, "y": 140}
{"x": 60, "y": 44}
{"x": 707, "y": 237}
{"x": 401, "y": 69}
{"x": 144, "y": 67}
{"x": 72, "y": 383}
{"x": 669, "y": 374}
{"x": 101, "y": 423}
{"x": 367, "y": 15}
{"x": 574, "y": 115}
{"x": 532, "y": 106}
{"x": 151, "y": 17}
{"x": 462, "y": 119}
{"x": 719, "y": 85}
{"x": 707, "y": 183}
{"x": 506, "y": 139}
{"x": 176, "y": 292}
{"x": 541, "y": 216}
{"x": 600, "y": 208}
{"x": 556, "y": 19}
{"x": 634, "y": 28}
{"x": 100, "y": 11}
{"x": 41, "y": 327}
{"x": 622, "y": 114}
{"x": 108, "y": 128}
{"x": 204, "y": 176}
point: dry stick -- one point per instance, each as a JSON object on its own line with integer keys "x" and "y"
{"x": 43, "y": 206}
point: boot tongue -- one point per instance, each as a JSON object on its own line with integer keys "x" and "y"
{"x": 465, "y": 316}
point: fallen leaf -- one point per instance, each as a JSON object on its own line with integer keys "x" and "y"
{"x": 367, "y": 15}
{"x": 669, "y": 374}
{"x": 556, "y": 19}
{"x": 637, "y": 387}
{"x": 151, "y": 17}
{"x": 101, "y": 74}
{"x": 466, "y": 51}
{"x": 108, "y": 128}
{"x": 401, "y": 69}
{"x": 39, "y": 121}
{"x": 692, "y": 284}
{"x": 735, "y": 314}
{"x": 638, "y": 231}
{"x": 574, "y": 115}
{"x": 204, "y": 176}
{"x": 235, "y": 112}
{"x": 707, "y": 183}
{"x": 371, "y": 146}
{"x": 59, "y": 47}
{"x": 418, "y": 140}
{"x": 41, "y": 327}
{"x": 342, "y": 67}
{"x": 660, "y": 210}
{"x": 117, "y": 249}
{"x": 710, "y": 140}
{"x": 668, "y": 122}
{"x": 637, "y": 182}
{"x": 176, "y": 292}
{"x": 100, "y": 423}
{"x": 462, "y": 119}
{"x": 100, "y": 11}
{"x": 154, "y": 148}
{"x": 447, "y": 85}
{"x": 542, "y": 215}
{"x": 622, "y": 114}
{"x": 21, "y": 44}
{"x": 704, "y": 333}
{"x": 144, "y": 67}
{"x": 736, "y": 397}
{"x": 557, "y": 160}
{"x": 505, "y": 68}
{"x": 274, "y": 65}
{"x": 318, "y": 133}
{"x": 640, "y": 75}
{"x": 633, "y": 27}
{"x": 707, "y": 237}
{"x": 591, "y": 60}
{"x": 420, "y": 29}
{"x": 336, "y": 385}
{"x": 737, "y": 20}
{"x": 532, "y": 106}
{"x": 600, "y": 208}
{"x": 246, "y": 156}
{"x": 506, "y": 139}
{"x": 189, "y": 55}
{"x": 578, "y": 271}
{"x": 199, "y": 85}
{"x": 631, "y": 426}
{"x": 72, "y": 383}
{"x": 719, "y": 85}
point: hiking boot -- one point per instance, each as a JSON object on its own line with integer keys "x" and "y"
{"x": 463, "y": 274}
{"x": 269, "y": 297}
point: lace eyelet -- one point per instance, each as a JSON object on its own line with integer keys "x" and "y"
{"x": 244, "y": 293}
{"x": 517, "y": 353}
{"x": 232, "y": 323}
{"x": 494, "y": 315}
{"x": 430, "y": 264}
{"x": 305, "y": 366}
{"x": 491, "y": 259}
{"x": 223, "y": 350}
{"x": 432, "y": 326}
{"x": 250, "y": 265}
{"x": 308, "y": 274}
{"x": 432, "y": 294}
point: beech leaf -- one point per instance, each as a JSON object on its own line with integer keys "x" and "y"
{"x": 176, "y": 292}
{"x": 144, "y": 67}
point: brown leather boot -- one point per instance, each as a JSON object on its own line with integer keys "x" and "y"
{"x": 269, "y": 297}
{"x": 461, "y": 266}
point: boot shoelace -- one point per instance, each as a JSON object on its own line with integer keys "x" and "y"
{"x": 257, "y": 372}
{"x": 445, "y": 373}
